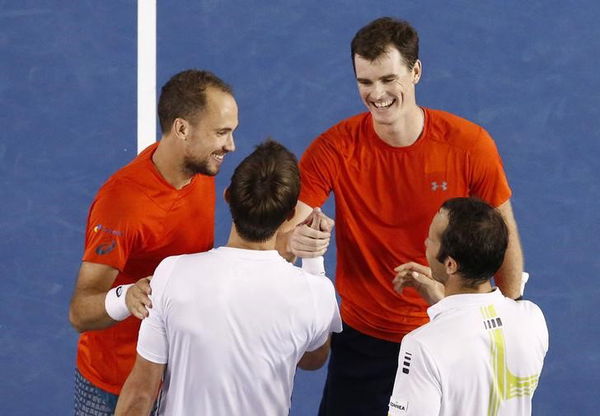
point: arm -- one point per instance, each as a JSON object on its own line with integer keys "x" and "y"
{"x": 417, "y": 389}
{"x": 87, "y": 310}
{"x": 313, "y": 360}
{"x": 139, "y": 391}
{"x": 508, "y": 278}
{"x": 297, "y": 239}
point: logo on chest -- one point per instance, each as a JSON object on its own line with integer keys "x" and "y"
{"x": 439, "y": 186}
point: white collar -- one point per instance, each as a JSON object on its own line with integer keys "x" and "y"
{"x": 462, "y": 300}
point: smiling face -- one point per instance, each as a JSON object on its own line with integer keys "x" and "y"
{"x": 387, "y": 86}
{"x": 210, "y": 134}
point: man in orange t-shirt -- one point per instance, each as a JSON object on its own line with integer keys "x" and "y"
{"x": 159, "y": 205}
{"x": 390, "y": 169}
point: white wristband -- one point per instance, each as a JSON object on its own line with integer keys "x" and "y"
{"x": 114, "y": 302}
{"x": 314, "y": 265}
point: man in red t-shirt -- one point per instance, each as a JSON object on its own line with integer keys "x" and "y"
{"x": 390, "y": 169}
{"x": 159, "y": 205}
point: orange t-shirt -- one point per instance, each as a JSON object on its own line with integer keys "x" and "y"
{"x": 136, "y": 220}
{"x": 385, "y": 198}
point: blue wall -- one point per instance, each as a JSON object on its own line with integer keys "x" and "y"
{"x": 527, "y": 71}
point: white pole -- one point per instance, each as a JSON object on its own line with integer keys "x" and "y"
{"x": 146, "y": 74}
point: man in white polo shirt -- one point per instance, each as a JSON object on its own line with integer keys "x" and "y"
{"x": 482, "y": 353}
{"x": 228, "y": 327}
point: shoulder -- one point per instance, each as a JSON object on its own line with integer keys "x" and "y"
{"x": 529, "y": 308}
{"x": 455, "y": 130}
{"x": 344, "y": 133}
{"x": 170, "y": 268}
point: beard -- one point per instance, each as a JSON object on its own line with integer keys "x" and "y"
{"x": 195, "y": 167}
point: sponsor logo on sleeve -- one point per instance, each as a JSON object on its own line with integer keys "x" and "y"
{"x": 102, "y": 228}
{"x": 398, "y": 407}
{"x": 106, "y": 248}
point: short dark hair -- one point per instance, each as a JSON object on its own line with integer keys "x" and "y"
{"x": 264, "y": 191}
{"x": 476, "y": 237}
{"x": 371, "y": 41}
{"x": 184, "y": 95}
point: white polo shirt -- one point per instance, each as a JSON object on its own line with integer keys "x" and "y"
{"x": 481, "y": 354}
{"x": 231, "y": 325}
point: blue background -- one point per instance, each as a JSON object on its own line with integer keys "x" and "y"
{"x": 527, "y": 71}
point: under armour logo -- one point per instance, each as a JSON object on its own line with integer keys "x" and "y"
{"x": 435, "y": 186}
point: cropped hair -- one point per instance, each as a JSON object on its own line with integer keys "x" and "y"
{"x": 476, "y": 238}
{"x": 184, "y": 95}
{"x": 264, "y": 191}
{"x": 371, "y": 41}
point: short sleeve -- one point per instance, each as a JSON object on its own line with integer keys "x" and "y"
{"x": 417, "y": 389}
{"x": 328, "y": 318}
{"x": 109, "y": 236}
{"x": 318, "y": 169}
{"x": 487, "y": 177}
{"x": 153, "y": 342}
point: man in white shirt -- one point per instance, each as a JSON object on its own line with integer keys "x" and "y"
{"x": 482, "y": 353}
{"x": 228, "y": 327}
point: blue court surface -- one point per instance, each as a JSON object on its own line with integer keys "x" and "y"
{"x": 527, "y": 71}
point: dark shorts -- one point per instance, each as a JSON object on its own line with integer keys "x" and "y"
{"x": 360, "y": 376}
{"x": 91, "y": 400}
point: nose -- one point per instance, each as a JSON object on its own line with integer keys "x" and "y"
{"x": 377, "y": 90}
{"x": 230, "y": 144}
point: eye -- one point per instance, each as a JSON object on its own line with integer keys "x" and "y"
{"x": 364, "y": 82}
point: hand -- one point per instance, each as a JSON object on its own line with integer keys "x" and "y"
{"x": 138, "y": 298}
{"x": 311, "y": 237}
{"x": 416, "y": 275}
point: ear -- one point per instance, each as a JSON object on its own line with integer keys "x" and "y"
{"x": 226, "y": 195}
{"x": 181, "y": 128}
{"x": 451, "y": 265}
{"x": 417, "y": 70}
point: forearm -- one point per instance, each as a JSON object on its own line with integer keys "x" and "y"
{"x": 87, "y": 312}
{"x": 508, "y": 278}
{"x": 134, "y": 401}
{"x": 140, "y": 389}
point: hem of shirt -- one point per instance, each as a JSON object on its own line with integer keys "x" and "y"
{"x": 384, "y": 335}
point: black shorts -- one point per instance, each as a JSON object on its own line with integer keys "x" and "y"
{"x": 360, "y": 376}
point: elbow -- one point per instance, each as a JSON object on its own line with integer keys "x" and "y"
{"x": 76, "y": 320}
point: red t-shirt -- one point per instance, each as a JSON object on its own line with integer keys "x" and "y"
{"x": 136, "y": 220}
{"x": 385, "y": 198}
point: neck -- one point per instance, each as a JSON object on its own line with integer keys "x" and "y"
{"x": 403, "y": 132}
{"x": 168, "y": 162}
{"x": 236, "y": 241}
{"x": 456, "y": 286}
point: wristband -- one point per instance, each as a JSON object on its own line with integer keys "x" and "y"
{"x": 314, "y": 265}
{"x": 114, "y": 302}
